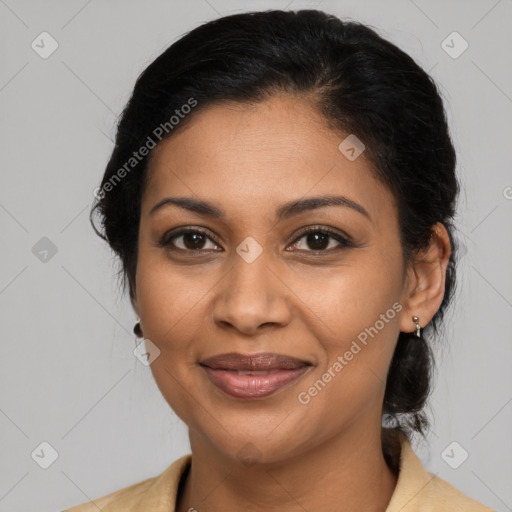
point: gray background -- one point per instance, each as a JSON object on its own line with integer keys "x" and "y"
{"x": 67, "y": 372}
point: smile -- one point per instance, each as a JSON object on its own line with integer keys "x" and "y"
{"x": 253, "y": 384}
{"x": 253, "y": 375}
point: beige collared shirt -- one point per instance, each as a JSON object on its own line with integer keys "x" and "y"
{"x": 417, "y": 490}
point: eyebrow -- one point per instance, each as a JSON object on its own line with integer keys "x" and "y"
{"x": 285, "y": 211}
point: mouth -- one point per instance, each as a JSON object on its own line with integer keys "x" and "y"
{"x": 253, "y": 375}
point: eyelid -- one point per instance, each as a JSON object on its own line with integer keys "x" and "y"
{"x": 341, "y": 237}
{"x": 165, "y": 240}
{"x": 336, "y": 234}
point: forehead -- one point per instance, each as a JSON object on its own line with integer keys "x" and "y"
{"x": 261, "y": 154}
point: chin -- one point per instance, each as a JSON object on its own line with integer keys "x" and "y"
{"x": 251, "y": 445}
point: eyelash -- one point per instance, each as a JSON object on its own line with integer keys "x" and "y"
{"x": 166, "y": 240}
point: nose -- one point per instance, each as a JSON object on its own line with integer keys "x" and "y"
{"x": 252, "y": 296}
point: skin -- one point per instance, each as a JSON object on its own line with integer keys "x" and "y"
{"x": 248, "y": 161}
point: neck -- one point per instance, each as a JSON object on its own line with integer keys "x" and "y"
{"x": 345, "y": 473}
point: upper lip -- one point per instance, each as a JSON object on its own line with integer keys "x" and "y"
{"x": 255, "y": 362}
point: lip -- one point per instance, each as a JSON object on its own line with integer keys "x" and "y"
{"x": 255, "y": 362}
{"x": 253, "y": 375}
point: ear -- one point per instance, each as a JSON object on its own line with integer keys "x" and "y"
{"x": 426, "y": 280}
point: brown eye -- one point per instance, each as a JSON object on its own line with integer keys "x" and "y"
{"x": 321, "y": 240}
{"x": 193, "y": 240}
{"x": 315, "y": 240}
{"x": 188, "y": 240}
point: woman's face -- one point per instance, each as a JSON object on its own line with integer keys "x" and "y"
{"x": 254, "y": 282}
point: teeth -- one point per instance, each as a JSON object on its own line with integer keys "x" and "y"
{"x": 250, "y": 372}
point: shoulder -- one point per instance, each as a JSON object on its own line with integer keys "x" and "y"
{"x": 443, "y": 494}
{"x": 419, "y": 490}
{"x": 156, "y": 494}
{"x": 122, "y": 499}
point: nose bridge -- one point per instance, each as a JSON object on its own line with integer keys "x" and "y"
{"x": 250, "y": 277}
{"x": 250, "y": 293}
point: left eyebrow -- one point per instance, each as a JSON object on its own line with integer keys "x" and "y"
{"x": 312, "y": 203}
{"x": 285, "y": 211}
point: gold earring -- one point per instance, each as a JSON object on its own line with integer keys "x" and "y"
{"x": 415, "y": 319}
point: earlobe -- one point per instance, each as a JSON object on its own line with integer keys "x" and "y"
{"x": 427, "y": 280}
{"x": 137, "y": 329}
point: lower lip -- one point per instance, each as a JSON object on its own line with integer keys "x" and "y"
{"x": 252, "y": 386}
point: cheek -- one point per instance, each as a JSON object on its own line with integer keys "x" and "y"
{"x": 166, "y": 295}
{"x": 166, "y": 303}
{"x": 352, "y": 379}
{"x": 358, "y": 330}
{"x": 350, "y": 301}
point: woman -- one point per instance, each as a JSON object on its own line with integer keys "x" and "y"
{"x": 281, "y": 197}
